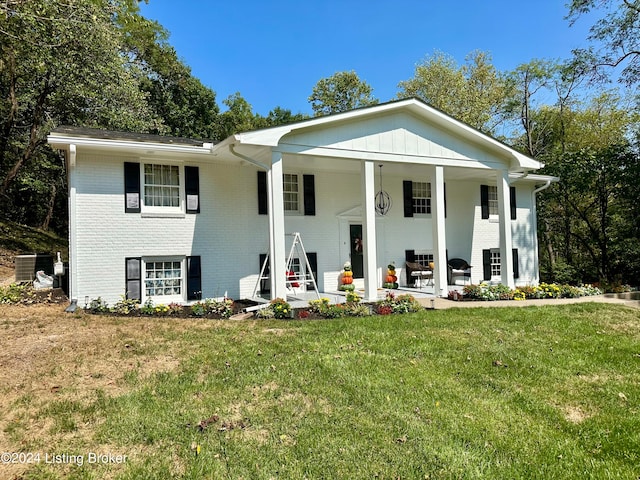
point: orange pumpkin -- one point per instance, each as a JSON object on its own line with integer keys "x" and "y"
{"x": 347, "y": 280}
{"x": 391, "y": 279}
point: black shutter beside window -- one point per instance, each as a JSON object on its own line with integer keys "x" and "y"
{"x": 194, "y": 278}
{"x": 512, "y": 197}
{"x": 486, "y": 264}
{"x": 192, "y": 189}
{"x": 309, "y": 187}
{"x": 407, "y": 193}
{"x": 444, "y": 185}
{"x": 133, "y": 278}
{"x": 263, "y": 205}
{"x": 313, "y": 263}
{"x": 484, "y": 200}
{"x": 410, "y": 255}
{"x": 516, "y": 266}
{"x": 131, "y": 187}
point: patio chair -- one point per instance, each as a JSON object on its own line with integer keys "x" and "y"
{"x": 459, "y": 268}
{"x": 418, "y": 272}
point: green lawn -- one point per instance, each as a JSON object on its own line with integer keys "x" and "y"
{"x": 505, "y": 393}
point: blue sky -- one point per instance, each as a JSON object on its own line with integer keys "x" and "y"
{"x": 273, "y": 52}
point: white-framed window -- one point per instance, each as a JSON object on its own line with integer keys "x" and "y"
{"x": 421, "y": 197}
{"x": 493, "y": 200}
{"x": 291, "y": 192}
{"x": 161, "y": 185}
{"x": 164, "y": 279}
{"x": 424, "y": 259}
{"x": 495, "y": 263}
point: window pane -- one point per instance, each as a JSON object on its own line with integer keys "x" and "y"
{"x": 421, "y": 193}
{"x": 163, "y": 278}
{"x": 493, "y": 200}
{"x": 162, "y": 185}
{"x": 291, "y": 194}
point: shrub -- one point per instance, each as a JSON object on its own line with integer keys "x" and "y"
{"x": 15, "y": 292}
{"x": 97, "y": 305}
{"x": 319, "y": 306}
{"x": 211, "y": 307}
{"x": 281, "y": 308}
{"x": 353, "y": 297}
{"x": 357, "y": 310}
{"x": 148, "y": 307}
{"x": 400, "y": 304}
{"x": 472, "y": 291}
{"x": 265, "y": 313}
{"x": 125, "y": 306}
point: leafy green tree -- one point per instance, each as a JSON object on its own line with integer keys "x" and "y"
{"x": 588, "y": 216}
{"x": 186, "y": 107}
{"x": 617, "y": 35}
{"x": 60, "y": 63}
{"x": 475, "y": 93}
{"x": 340, "y": 92}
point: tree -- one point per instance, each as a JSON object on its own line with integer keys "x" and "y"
{"x": 60, "y": 63}
{"x": 588, "y": 220}
{"x": 618, "y": 33}
{"x": 187, "y": 108}
{"x": 340, "y": 92}
{"x": 475, "y": 93}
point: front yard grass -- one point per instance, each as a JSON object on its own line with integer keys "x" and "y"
{"x": 534, "y": 392}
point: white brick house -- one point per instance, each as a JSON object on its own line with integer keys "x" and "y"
{"x": 176, "y": 219}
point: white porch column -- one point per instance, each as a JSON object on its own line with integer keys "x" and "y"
{"x": 440, "y": 274}
{"x": 369, "y": 231}
{"x": 506, "y": 244}
{"x": 277, "y": 255}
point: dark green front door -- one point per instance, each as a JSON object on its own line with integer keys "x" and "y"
{"x": 355, "y": 233}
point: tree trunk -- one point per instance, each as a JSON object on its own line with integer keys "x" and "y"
{"x": 52, "y": 203}
{"x": 34, "y": 140}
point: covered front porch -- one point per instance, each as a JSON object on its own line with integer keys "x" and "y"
{"x": 322, "y": 176}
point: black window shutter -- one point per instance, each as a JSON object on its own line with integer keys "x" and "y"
{"x": 410, "y": 255}
{"x": 407, "y": 192}
{"x": 486, "y": 264}
{"x": 516, "y": 267}
{"x": 131, "y": 187}
{"x": 265, "y": 285}
{"x": 512, "y": 197}
{"x": 309, "y": 186}
{"x": 192, "y": 189}
{"x": 313, "y": 263}
{"x": 445, "y": 199}
{"x": 263, "y": 205}
{"x": 133, "y": 278}
{"x": 484, "y": 200}
{"x": 194, "y": 278}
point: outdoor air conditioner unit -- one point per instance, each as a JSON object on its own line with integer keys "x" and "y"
{"x": 28, "y": 265}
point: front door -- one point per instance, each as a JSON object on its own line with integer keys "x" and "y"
{"x": 357, "y": 265}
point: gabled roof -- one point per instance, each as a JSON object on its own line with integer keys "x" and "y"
{"x": 272, "y": 137}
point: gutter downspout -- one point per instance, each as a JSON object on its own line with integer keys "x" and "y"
{"x": 535, "y": 229}
{"x": 248, "y": 159}
{"x": 73, "y": 253}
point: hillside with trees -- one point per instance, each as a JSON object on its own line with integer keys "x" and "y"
{"x": 100, "y": 63}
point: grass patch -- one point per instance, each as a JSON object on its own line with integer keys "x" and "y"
{"x": 539, "y": 392}
{"x": 24, "y": 239}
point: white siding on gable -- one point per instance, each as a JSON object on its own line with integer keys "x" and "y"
{"x": 398, "y": 134}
